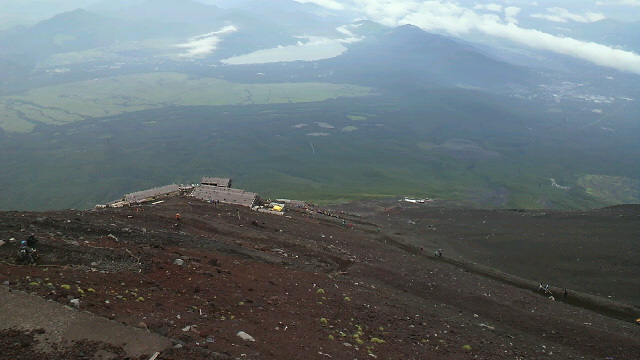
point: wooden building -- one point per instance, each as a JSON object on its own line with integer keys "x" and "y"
{"x": 225, "y": 195}
{"x": 213, "y": 181}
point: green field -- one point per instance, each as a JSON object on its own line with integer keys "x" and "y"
{"x": 612, "y": 189}
{"x": 481, "y": 157}
{"x": 76, "y": 101}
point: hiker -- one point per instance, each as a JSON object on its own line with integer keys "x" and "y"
{"x": 24, "y": 253}
{"x": 544, "y": 288}
{"x": 565, "y": 294}
{"x": 177, "y": 217}
{"x": 439, "y": 253}
{"x": 32, "y": 241}
{"x": 343, "y": 223}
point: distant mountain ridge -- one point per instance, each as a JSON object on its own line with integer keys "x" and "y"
{"x": 170, "y": 11}
{"x": 404, "y": 55}
{"x": 81, "y": 29}
{"x": 408, "y": 54}
{"x": 70, "y": 31}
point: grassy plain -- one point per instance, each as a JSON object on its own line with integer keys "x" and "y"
{"x": 75, "y": 101}
{"x": 615, "y": 189}
{"x": 479, "y": 157}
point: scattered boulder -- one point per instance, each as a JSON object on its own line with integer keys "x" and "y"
{"x": 75, "y": 303}
{"x": 178, "y": 262}
{"x": 244, "y": 336}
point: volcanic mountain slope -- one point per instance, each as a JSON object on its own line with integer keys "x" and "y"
{"x": 297, "y": 286}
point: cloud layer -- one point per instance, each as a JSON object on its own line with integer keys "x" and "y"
{"x": 203, "y": 45}
{"x": 559, "y": 14}
{"x": 493, "y": 20}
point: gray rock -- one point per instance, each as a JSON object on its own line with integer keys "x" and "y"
{"x": 75, "y": 303}
{"x": 2, "y": 242}
{"x": 244, "y": 336}
{"x": 178, "y": 262}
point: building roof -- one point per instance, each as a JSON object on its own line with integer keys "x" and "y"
{"x": 152, "y": 193}
{"x": 225, "y": 195}
{"x": 221, "y": 182}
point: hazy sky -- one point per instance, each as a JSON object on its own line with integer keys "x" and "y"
{"x": 553, "y": 10}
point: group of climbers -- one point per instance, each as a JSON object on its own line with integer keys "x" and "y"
{"x": 28, "y": 249}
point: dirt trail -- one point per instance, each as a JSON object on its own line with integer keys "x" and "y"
{"x": 28, "y": 312}
{"x": 598, "y": 304}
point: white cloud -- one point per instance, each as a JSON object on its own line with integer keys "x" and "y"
{"x": 632, "y": 3}
{"x": 329, "y": 4}
{"x": 350, "y": 36}
{"x": 203, "y": 45}
{"x": 558, "y": 14}
{"x": 489, "y": 7}
{"x": 593, "y": 52}
{"x": 458, "y": 20}
{"x": 510, "y": 14}
{"x": 629, "y": 2}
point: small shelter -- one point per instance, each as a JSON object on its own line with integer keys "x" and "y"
{"x": 152, "y": 194}
{"x": 214, "y": 181}
{"x": 219, "y": 190}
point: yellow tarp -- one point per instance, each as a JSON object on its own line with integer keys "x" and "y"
{"x": 277, "y": 208}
